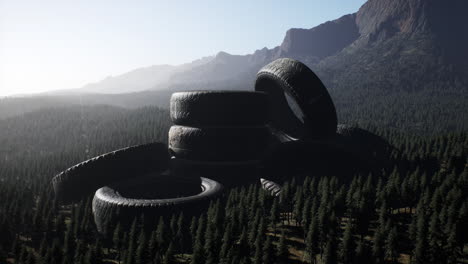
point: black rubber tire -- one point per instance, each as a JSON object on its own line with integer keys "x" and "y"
{"x": 352, "y": 150}
{"x": 219, "y": 143}
{"x": 85, "y": 178}
{"x": 273, "y": 188}
{"x": 229, "y": 174}
{"x": 110, "y": 206}
{"x": 364, "y": 144}
{"x": 219, "y": 108}
{"x": 312, "y": 114}
{"x": 300, "y": 158}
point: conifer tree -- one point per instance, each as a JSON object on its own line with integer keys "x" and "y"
{"x": 268, "y": 255}
{"x": 116, "y": 239}
{"x": 198, "y": 255}
{"x": 226, "y": 242}
{"x": 274, "y": 215}
{"x": 161, "y": 233}
{"x": 330, "y": 254}
{"x": 311, "y": 242}
{"x": 169, "y": 255}
{"x": 243, "y": 243}
{"x": 281, "y": 249}
{"x": 391, "y": 245}
{"x": 378, "y": 245}
{"x": 142, "y": 255}
{"x": 348, "y": 245}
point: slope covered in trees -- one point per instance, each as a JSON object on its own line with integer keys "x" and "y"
{"x": 415, "y": 211}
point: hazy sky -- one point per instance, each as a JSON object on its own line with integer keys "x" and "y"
{"x": 49, "y": 45}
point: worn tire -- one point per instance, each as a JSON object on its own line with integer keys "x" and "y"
{"x": 229, "y": 174}
{"x": 364, "y": 144}
{"x": 310, "y": 112}
{"x": 110, "y": 206}
{"x": 219, "y": 108}
{"x": 295, "y": 158}
{"x": 85, "y": 178}
{"x": 218, "y": 143}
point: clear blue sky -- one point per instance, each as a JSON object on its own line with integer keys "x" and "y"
{"x": 49, "y": 45}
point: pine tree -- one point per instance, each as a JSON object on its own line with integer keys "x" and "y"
{"x": 90, "y": 257}
{"x": 161, "y": 233}
{"x": 243, "y": 243}
{"x": 362, "y": 252}
{"x": 116, "y": 239}
{"x": 198, "y": 255}
{"x": 329, "y": 255}
{"x": 420, "y": 250}
{"x": 172, "y": 226}
{"x": 31, "y": 259}
{"x": 305, "y": 215}
{"x": 348, "y": 245}
{"x": 378, "y": 245}
{"x": 193, "y": 229}
{"x": 298, "y": 204}
{"x": 451, "y": 248}
{"x": 274, "y": 215}
{"x": 152, "y": 246}
{"x": 69, "y": 245}
{"x": 130, "y": 254}
{"x": 169, "y": 255}
{"x": 210, "y": 244}
{"x": 435, "y": 239}
{"x": 281, "y": 249}
{"x": 391, "y": 245}
{"x": 141, "y": 255}
{"x": 226, "y": 242}
{"x": 311, "y": 242}
{"x": 258, "y": 252}
{"x": 268, "y": 255}
{"x": 179, "y": 237}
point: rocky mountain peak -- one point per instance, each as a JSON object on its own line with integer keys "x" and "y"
{"x": 382, "y": 19}
{"x": 321, "y": 41}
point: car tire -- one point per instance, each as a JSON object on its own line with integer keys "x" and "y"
{"x": 122, "y": 202}
{"x": 218, "y": 143}
{"x": 219, "y": 108}
{"x": 85, "y": 178}
{"x": 299, "y": 103}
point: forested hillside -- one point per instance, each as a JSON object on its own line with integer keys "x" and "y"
{"x": 415, "y": 211}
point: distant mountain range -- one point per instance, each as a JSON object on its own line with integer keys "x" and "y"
{"x": 385, "y": 42}
{"x": 409, "y": 52}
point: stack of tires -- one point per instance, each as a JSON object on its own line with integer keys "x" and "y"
{"x": 304, "y": 122}
{"x": 221, "y": 135}
{"x": 286, "y": 128}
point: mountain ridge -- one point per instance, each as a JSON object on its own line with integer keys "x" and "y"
{"x": 324, "y": 47}
{"x": 390, "y": 52}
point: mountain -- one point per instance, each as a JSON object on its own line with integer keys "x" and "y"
{"x": 136, "y": 80}
{"x": 406, "y": 44}
{"x": 156, "y": 77}
{"x": 386, "y": 39}
{"x": 410, "y": 53}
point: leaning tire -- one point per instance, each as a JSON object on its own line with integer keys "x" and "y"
{"x": 122, "y": 202}
{"x": 299, "y": 102}
{"x": 218, "y": 143}
{"x": 219, "y": 108}
{"x": 364, "y": 144}
{"x": 294, "y": 158}
{"x": 85, "y": 178}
